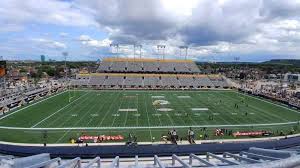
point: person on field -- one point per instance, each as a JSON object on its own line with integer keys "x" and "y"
{"x": 191, "y": 136}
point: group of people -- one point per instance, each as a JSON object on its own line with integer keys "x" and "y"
{"x": 174, "y": 138}
{"x": 132, "y": 140}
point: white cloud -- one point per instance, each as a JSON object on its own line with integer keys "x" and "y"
{"x": 63, "y": 34}
{"x": 49, "y": 43}
{"x": 84, "y": 38}
{"x": 88, "y": 41}
{"x": 207, "y": 27}
{"x": 18, "y": 13}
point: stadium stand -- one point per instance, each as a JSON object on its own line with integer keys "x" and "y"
{"x": 254, "y": 157}
{"x": 150, "y": 66}
{"x": 19, "y": 97}
{"x": 152, "y": 82}
{"x": 147, "y": 65}
{"x": 149, "y": 73}
{"x": 114, "y": 81}
{"x": 133, "y": 82}
{"x": 149, "y": 81}
{"x": 96, "y": 80}
{"x": 171, "y": 82}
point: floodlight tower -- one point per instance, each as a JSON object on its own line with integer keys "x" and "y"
{"x": 137, "y": 46}
{"x": 161, "y": 47}
{"x": 185, "y": 48}
{"x": 116, "y": 46}
{"x": 65, "y": 54}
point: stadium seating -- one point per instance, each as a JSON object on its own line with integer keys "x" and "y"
{"x": 113, "y": 81}
{"x": 170, "y": 82}
{"x": 187, "y": 82}
{"x": 134, "y": 67}
{"x": 133, "y": 82}
{"x": 118, "y": 67}
{"x": 15, "y": 97}
{"x": 149, "y": 73}
{"x": 254, "y": 157}
{"x": 96, "y": 80}
{"x": 104, "y": 67}
{"x": 150, "y": 66}
{"x": 147, "y": 65}
{"x": 150, "y": 81}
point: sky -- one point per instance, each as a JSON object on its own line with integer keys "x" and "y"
{"x": 213, "y": 30}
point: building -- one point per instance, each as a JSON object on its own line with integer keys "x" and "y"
{"x": 43, "y": 58}
{"x": 292, "y": 77}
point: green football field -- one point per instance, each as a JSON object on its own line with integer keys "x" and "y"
{"x": 146, "y": 114}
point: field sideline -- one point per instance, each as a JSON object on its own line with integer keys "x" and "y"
{"x": 151, "y": 112}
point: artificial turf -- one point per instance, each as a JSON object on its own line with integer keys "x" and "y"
{"x": 143, "y": 113}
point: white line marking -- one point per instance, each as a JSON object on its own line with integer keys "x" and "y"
{"x": 199, "y": 109}
{"x": 151, "y": 127}
{"x": 157, "y": 97}
{"x": 31, "y": 105}
{"x": 57, "y": 111}
{"x": 127, "y": 110}
{"x": 165, "y": 109}
{"x": 183, "y": 97}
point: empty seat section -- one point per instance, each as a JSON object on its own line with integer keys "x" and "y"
{"x": 192, "y": 67}
{"x": 187, "y": 82}
{"x": 152, "y": 82}
{"x": 169, "y": 82}
{"x": 79, "y": 82}
{"x": 150, "y": 66}
{"x": 118, "y": 67}
{"x": 96, "y": 80}
{"x": 203, "y": 82}
{"x": 181, "y": 67}
{"x": 166, "y": 67}
{"x": 134, "y": 66}
{"x": 104, "y": 66}
{"x": 114, "y": 81}
{"x": 133, "y": 82}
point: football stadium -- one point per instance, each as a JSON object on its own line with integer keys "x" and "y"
{"x": 142, "y": 107}
{"x": 145, "y": 98}
{"x": 149, "y": 84}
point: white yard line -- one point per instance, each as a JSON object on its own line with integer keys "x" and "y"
{"x": 236, "y": 119}
{"x": 67, "y": 111}
{"x": 147, "y": 116}
{"x": 31, "y": 105}
{"x": 137, "y": 112}
{"x": 122, "y": 100}
{"x": 99, "y": 110}
{"x": 184, "y": 109}
{"x": 57, "y": 111}
{"x": 151, "y": 127}
{"x": 126, "y": 118}
{"x": 108, "y": 111}
{"x": 156, "y": 111}
{"x": 88, "y": 112}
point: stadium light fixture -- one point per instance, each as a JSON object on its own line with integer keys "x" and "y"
{"x": 135, "y": 46}
{"x": 185, "y": 48}
{"x": 117, "y": 47}
{"x": 65, "y": 54}
{"x": 161, "y": 47}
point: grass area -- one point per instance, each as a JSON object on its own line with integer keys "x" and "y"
{"x": 144, "y": 113}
